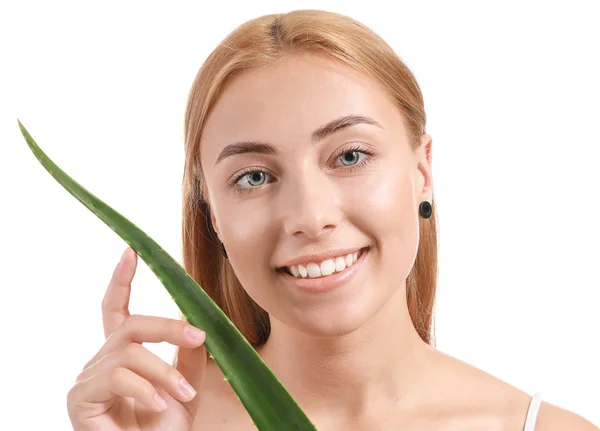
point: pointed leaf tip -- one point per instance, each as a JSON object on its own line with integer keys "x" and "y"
{"x": 21, "y": 126}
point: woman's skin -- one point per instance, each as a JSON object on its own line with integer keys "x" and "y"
{"x": 125, "y": 386}
{"x": 350, "y": 356}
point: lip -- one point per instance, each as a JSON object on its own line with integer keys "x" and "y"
{"x": 320, "y": 257}
{"x": 330, "y": 282}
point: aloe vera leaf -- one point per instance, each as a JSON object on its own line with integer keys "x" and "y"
{"x": 268, "y": 403}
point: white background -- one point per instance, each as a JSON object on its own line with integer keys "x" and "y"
{"x": 512, "y": 96}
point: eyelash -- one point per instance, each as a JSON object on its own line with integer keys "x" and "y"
{"x": 241, "y": 189}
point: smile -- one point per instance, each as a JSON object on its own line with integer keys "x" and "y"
{"x": 323, "y": 268}
{"x": 312, "y": 279}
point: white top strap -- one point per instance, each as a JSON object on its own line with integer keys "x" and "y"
{"x": 534, "y": 407}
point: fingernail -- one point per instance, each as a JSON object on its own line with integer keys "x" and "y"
{"x": 187, "y": 389}
{"x": 194, "y": 333}
{"x": 160, "y": 402}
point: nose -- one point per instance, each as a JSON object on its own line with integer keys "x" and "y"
{"x": 310, "y": 206}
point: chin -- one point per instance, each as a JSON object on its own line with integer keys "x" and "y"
{"x": 331, "y": 321}
{"x": 330, "y": 329}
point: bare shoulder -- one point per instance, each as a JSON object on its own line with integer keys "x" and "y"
{"x": 554, "y": 418}
{"x": 494, "y": 401}
{"x": 462, "y": 397}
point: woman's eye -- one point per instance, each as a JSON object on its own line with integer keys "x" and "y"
{"x": 350, "y": 158}
{"x": 252, "y": 179}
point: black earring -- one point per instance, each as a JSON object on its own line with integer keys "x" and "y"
{"x": 224, "y": 251}
{"x": 425, "y": 209}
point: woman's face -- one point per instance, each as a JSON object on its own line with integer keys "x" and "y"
{"x": 282, "y": 188}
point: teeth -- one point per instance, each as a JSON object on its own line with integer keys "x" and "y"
{"x": 340, "y": 264}
{"x": 327, "y": 267}
{"x": 313, "y": 270}
{"x": 302, "y": 270}
{"x": 322, "y": 269}
{"x": 294, "y": 270}
{"x": 349, "y": 259}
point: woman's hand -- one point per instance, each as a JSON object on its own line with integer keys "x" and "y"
{"x": 125, "y": 386}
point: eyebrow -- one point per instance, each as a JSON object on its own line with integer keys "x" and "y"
{"x": 316, "y": 136}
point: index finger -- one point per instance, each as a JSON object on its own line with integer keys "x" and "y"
{"x": 115, "y": 305}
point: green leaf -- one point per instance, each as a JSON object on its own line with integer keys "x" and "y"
{"x": 267, "y": 401}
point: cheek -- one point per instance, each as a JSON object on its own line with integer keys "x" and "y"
{"x": 246, "y": 232}
{"x": 247, "y": 240}
{"x": 389, "y": 216}
{"x": 388, "y": 200}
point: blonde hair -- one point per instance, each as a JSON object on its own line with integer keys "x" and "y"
{"x": 263, "y": 41}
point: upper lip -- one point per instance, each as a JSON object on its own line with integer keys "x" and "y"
{"x": 320, "y": 257}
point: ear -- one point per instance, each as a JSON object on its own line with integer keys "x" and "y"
{"x": 424, "y": 178}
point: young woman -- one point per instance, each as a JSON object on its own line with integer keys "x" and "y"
{"x": 309, "y": 217}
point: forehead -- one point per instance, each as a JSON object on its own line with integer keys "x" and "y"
{"x": 285, "y": 102}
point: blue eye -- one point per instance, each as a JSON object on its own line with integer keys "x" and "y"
{"x": 352, "y": 155}
{"x": 253, "y": 177}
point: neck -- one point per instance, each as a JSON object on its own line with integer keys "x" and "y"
{"x": 380, "y": 364}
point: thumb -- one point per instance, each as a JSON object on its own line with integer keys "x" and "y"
{"x": 191, "y": 363}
